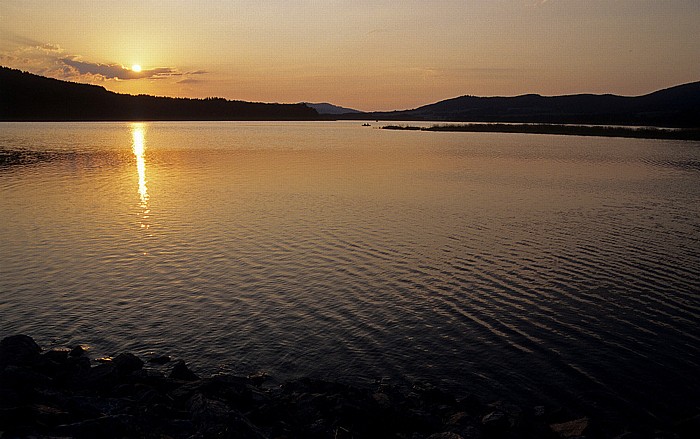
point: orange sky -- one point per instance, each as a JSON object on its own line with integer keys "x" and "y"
{"x": 369, "y": 55}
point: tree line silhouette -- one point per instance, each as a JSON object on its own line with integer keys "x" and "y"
{"x": 28, "y": 97}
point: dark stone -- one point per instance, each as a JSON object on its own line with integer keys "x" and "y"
{"x": 12, "y": 417}
{"x": 539, "y": 411}
{"x": 471, "y": 404}
{"x": 629, "y": 435}
{"x": 432, "y": 394}
{"x": 182, "y": 372}
{"x": 235, "y": 391}
{"x": 571, "y": 429}
{"x": 495, "y": 421}
{"x": 688, "y": 427}
{"x": 20, "y": 350}
{"x": 106, "y": 427}
{"x": 58, "y": 395}
{"x": 101, "y": 377}
{"x": 79, "y": 362}
{"x": 56, "y": 356}
{"x": 127, "y": 363}
{"x": 73, "y": 369}
{"x": 160, "y": 360}
{"x": 77, "y": 351}
{"x": 23, "y": 377}
{"x": 258, "y": 378}
{"x": 445, "y": 435}
{"x": 207, "y": 411}
{"x": 50, "y": 415}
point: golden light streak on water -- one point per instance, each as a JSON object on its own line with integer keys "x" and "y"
{"x": 139, "y": 147}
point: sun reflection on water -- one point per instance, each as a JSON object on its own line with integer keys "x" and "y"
{"x": 139, "y": 147}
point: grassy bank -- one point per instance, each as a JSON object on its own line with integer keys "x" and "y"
{"x": 569, "y": 130}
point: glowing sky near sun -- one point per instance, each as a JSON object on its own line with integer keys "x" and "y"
{"x": 370, "y": 55}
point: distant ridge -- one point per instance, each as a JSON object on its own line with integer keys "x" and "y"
{"x": 28, "y": 97}
{"x": 677, "y": 106}
{"x": 326, "y": 108}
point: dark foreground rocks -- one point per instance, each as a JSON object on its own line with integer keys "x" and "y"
{"x": 62, "y": 393}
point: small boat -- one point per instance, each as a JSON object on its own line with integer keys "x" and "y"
{"x": 366, "y": 125}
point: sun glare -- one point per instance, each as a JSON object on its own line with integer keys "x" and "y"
{"x": 136, "y": 68}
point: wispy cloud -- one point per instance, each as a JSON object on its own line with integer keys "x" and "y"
{"x": 190, "y": 81}
{"x": 49, "y": 59}
{"x": 118, "y": 71}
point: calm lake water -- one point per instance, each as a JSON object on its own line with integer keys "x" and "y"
{"x": 547, "y": 269}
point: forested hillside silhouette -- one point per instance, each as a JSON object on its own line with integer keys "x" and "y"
{"x": 28, "y": 97}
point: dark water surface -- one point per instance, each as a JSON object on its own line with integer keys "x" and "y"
{"x": 547, "y": 269}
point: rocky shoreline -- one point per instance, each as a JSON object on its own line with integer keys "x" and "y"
{"x": 63, "y": 393}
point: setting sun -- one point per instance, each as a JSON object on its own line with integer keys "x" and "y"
{"x": 136, "y": 68}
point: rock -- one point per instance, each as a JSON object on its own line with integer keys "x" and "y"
{"x": 495, "y": 421}
{"x": 207, "y": 411}
{"x": 23, "y": 377}
{"x": 56, "y": 356}
{"x": 432, "y": 394}
{"x": 471, "y": 404}
{"x": 569, "y": 429}
{"x": 19, "y": 350}
{"x": 77, "y": 351}
{"x": 49, "y": 415}
{"x": 101, "y": 377}
{"x": 630, "y": 435}
{"x": 235, "y": 391}
{"x": 688, "y": 427}
{"x": 160, "y": 360}
{"x": 182, "y": 372}
{"x": 127, "y": 363}
{"x": 382, "y": 399}
{"x": 459, "y": 418}
{"x": 107, "y": 426}
{"x": 216, "y": 419}
{"x": 258, "y": 378}
{"x": 445, "y": 435}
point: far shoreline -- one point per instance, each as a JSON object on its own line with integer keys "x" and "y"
{"x": 558, "y": 129}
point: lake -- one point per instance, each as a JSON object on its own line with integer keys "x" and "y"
{"x": 555, "y": 270}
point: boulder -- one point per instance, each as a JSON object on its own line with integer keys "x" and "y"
{"x": 496, "y": 420}
{"x": 445, "y": 435}
{"x": 182, "y": 372}
{"x": 127, "y": 363}
{"x": 18, "y": 350}
{"x": 77, "y": 351}
{"x": 571, "y": 429}
{"x": 162, "y": 359}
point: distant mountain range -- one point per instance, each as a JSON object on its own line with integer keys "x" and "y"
{"x": 326, "y": 108}
{"x": 29, "y": 97}
{"x": 25, "y": 96}
{"x": 672, "y": 107}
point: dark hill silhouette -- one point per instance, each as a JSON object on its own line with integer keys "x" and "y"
{"x": 326, "y": 108}
{"x": 24, "y": 96}
{"x": 28, "y": 97}
{"x": 673, "y": 107}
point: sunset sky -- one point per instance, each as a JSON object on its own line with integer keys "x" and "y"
{"x": 369, "y": 55}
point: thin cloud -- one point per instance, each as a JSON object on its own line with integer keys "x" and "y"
{"x": 50, "y": 47}
{"x": 49, "y": 59}
{"x": 118, "y": 71}
{"x": 190, "y": 81}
